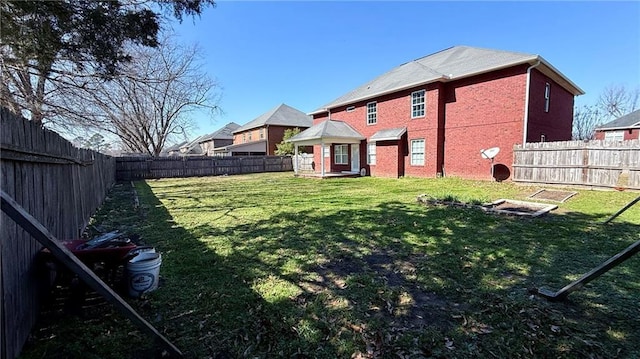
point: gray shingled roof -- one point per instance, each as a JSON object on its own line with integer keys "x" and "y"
{"x": 328, "y": 129}
{"x": 281, "y": 115}
{"x": 175, "y": 147}
{"x": 628, "y": 120}
{"x": 388, "y": 135}
{"x": 225, "y": 133}
{"x": 451, "y": 64}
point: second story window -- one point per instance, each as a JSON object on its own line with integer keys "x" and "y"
{"x": 372, "y": 113}
{"x": 250, "y": 132}
{"x": 547, "y": 95}
{"x": 244, "y": 137}
{"x": 417, "y": 104}
{"x": 261, "y": 133}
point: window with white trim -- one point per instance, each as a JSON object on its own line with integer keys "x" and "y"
{"x": 371, "y": 153}
{"x": 417, "y": 152}
{"x": 327, "y": 151}
{"x": 614, "y": 136}
{"x": 244, "y": 137}
{"x": 547, "y": 96}
{"x": 417, "y": 104}
{"x": 250, "y": 132}
{"x": 341, "y": 154}
{"x": 261, "y": 133}
{"x": 372, "y": 113}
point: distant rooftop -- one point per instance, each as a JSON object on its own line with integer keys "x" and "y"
{"x": 225, "y": 133}
{"x": 629, "y": 120}
{"x": 281, "y": 115}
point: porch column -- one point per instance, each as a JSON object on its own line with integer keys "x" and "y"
{"x": 295, "y": 166}
{"x": 322, "y": 159}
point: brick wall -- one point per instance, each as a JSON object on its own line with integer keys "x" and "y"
{"x": 556, "y": 124}
{"x": 482, "y": 112}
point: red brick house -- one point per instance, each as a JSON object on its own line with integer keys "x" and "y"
{"x": 623, "y": 128}
{"x": 260, "y": 136}
{"x": 432, "y": 116}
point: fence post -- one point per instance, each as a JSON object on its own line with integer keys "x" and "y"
{"x": 585, "y": 164}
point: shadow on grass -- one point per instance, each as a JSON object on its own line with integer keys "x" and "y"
{"x": 391, "y": 280}
{"x": 399, "y": 279}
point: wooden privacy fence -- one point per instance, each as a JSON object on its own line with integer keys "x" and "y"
{"x": 136, "y": 168}
{"x": 612, "y": 164}
{"x": 58, "y": 184}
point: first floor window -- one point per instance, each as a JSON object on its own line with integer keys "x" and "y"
{"x": 371, "y": 153}
{"x": 614, "y": 136}
{"x": 341, "y": 154}
{"x": 417, "y": 152}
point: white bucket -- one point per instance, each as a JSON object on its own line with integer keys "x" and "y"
{"x": 143, "y": 272}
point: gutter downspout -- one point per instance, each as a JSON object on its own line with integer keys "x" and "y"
{"x": 267, "y": 135}
{"x": 526, "y": 102}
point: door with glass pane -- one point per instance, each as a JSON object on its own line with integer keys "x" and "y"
{"x": 355, "y": 158}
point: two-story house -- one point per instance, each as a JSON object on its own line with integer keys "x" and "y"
{"x": 432, "y": 116}
{"x": 260, "y": 136}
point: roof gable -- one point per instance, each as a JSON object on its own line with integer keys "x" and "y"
{"x": 629, "y": 120}
{"x": 281, "y": 115}
{"x": 447, "y": 65}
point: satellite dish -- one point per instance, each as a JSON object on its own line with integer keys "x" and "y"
{"x": 490, "y": 153}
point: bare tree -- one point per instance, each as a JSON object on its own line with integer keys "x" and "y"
{"x": 149, "y": 102}
{"x": 45, "y": 42}
{"x": 585, "y": 121}
{"x": 618, "y": 100}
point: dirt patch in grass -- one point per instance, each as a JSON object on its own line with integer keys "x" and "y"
{"x": 552, "y": 195}
{"x": 405, "y": 304}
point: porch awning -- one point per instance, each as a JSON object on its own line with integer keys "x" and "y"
{"x": 329, "y": 131}
{"x": 392, "y": 134}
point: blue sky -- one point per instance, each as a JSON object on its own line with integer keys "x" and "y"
{"x": 306, "y": 54}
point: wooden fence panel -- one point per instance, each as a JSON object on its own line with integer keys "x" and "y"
{"x": 135, "y": 168}
{"x": 58, "y": 184}
{"x": 586, "y": 163}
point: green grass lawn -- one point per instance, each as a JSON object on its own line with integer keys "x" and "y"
{"x": 272, "y": 266}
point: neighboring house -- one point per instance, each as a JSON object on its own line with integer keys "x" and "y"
{"x": 192, "y": 148}
{"x": 626, "y": 127}
{"x": 173, "y": 150}
{"x": 221, "y": 138}
{"x": 432, "y": 116}
{"x": 260, "y": 136}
